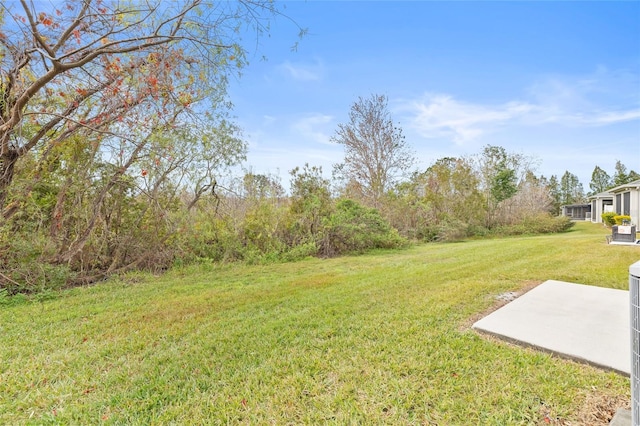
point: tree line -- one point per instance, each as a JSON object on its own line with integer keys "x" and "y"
{"x": 569, "y": 190}
{"x": 116, "y": 141}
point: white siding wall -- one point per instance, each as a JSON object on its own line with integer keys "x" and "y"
{"x": 596, "y": 214}
{"x": 635, "y": 207}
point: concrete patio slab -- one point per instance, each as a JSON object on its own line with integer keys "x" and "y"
{"x": 621, "y": 243}
{"x": 621, "y": 418}
{"x": 586, "y": 323}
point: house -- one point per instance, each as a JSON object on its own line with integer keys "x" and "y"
{"x": 626, "y": 200}
{"x": 600, "y": 203}
{"x": 577, "y": 211}
{"x": 623, "y": 200}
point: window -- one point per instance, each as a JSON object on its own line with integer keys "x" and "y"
{"x": 626, "y": 204}
{"x": 618, "y": 204}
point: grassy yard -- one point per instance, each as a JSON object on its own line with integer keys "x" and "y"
{"x": 381, "y": 338}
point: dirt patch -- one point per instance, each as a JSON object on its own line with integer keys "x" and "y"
{"x": 599, "y": 409}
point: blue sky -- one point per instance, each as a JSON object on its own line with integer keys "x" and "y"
{"x": 556, "y": 81}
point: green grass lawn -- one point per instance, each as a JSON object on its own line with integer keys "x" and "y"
{"x": 381, "y": 338}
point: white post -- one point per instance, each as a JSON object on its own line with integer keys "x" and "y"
{"x": 634, "y": 296}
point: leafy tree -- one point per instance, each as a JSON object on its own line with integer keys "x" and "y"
{"x": 203, "y": 155}
{"x": 504, "y": 185}
{"x": 498, "y": 170}
{"x": 310, "y": 203}
{"x": 442, "y": 203}
{"x": 258, "y": 186}
{"x": 120, "y": 71}
{"x": 532, "y": 199}
{"x": 259, "y": 216}
{"x": 621, "y": 176}
{"x": 406, "y": 208}
{"x": 500, "y": 173}
{"x": 451, "y": 188}
{"x": 571, "y": 191}
{"x": 376, "y": 152}
{"x": 115, "y": 116}
{"x": 600, "y": 181}
{"x": 553, "y": 186}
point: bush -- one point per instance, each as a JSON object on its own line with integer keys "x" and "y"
{"x": 213, "y": 239}
{"x": 261, "y": 230}
{"x": 446, "y": 231}
{"x": 7, "y": 300}
{"x": 478, "y": 231}
{"x": 354, "y": 228}
{"x": 25, "y": 266}
{"x": 608, "y": 218}
{"x": 537, "y": 224}
{"x": 622, "y": 218}
{"x": 300, "y": 252}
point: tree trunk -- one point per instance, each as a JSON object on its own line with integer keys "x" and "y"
{"x": 77, "y": 245}
{"x": 58, "y": 210}
{"x": 7, "y": 163}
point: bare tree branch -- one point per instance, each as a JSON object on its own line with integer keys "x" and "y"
{"x": 376, "y": 152}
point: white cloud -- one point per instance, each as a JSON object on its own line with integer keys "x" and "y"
{"x": 601, "y": 99}
{"x": 268, "y": 119}
{"x": 303, "y": 72}
{"x": 313, "y": 127}
{"x": 441, "y": 115}
{"x": 616, "y": 116}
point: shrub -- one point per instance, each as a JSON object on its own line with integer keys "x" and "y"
{"x": 261, "y": 229}
{"x": 608, "y": 218}
{"x": 354, "y": 228}
{"x": 25, "y": 266}
{"x": 478, "y": 231}
{"x": 547, "y": 224}
{"x": 7, "y": 300}
{"x": 214, "y": 239}
{"x": 446, "y": 231}
{"x": 300, "y": 252}
{"x": 621, "y": 218}
{"x": 537, "y": 224}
